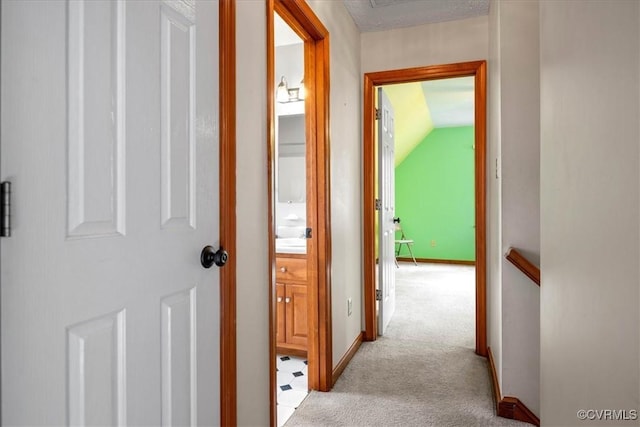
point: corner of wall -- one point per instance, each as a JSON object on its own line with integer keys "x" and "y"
{"x": 494, "y": 199}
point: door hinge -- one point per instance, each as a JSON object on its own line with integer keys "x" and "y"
{"x": 378, "y": 114}
{"x": 378, "y": 204}
{"x": 307, "y": 233}
{"x": 5, "y": 209}
{"x": 378, "y": 295}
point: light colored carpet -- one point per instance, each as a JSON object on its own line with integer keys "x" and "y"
{"x": 424, "y": 371}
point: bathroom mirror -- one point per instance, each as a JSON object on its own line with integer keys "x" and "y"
{"x": 291, "y": 159}
{"x": 290, "y": 173}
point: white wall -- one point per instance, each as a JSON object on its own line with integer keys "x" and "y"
{"x": 519, "y": 70}
{"x": 431, "y": 44}
{"x": 346, "y": 172}
{"x": 253, "y": 269}
{"x": 590, "y": 208}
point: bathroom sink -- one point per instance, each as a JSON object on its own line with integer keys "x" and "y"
{"x": 291, "y": 245}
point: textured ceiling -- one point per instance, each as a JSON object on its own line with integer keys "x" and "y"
{"x": 379, "y": 15}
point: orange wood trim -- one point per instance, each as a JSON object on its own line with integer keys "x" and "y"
{"x": 313, "y": 213}
{"x": 481, "y": 202}
{"x": 342, "y": 364}
{"x": 436, "y": 261}
{"x": 368, "y": 206}
{"x": 513, "y": 408}
{"x": 508, "y": 407}
{"x": 473, "y": 68}
{"x": 325, "y": 359}
{"x": 497, "y": 395}
{"x": 271, "y": 143}
{"x": 524, "y": 265}
{"x": 227, "y": 70}
{"x": 431, "y": 72}
{"x": 304, "y": 20}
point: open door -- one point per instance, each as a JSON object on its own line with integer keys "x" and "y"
{"x": 372, "y": 80}
{"x": 109, "y": 136}
{"x": 386, "y": 195}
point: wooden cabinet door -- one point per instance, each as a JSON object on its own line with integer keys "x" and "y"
{"x": 296, "y": 315}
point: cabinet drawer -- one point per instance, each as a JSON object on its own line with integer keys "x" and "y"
{"x": 291, "y": 269}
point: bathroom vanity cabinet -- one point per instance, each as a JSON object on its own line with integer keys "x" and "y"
{"x": 291, "y": 304}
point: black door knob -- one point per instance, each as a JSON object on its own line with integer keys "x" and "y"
{"x": 209, "y": 256}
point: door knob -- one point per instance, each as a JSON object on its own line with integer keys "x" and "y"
{"x": 209, "y": 256}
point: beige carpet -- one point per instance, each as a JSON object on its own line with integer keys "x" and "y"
{"x": 424, "y": 371}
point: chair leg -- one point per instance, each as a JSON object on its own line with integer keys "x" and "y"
{"x": 411, "y": 252}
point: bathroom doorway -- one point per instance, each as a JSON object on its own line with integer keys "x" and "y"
{"x": 298, "y": 188}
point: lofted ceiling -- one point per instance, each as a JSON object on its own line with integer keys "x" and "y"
{"x": 450, "y": 101}
{"x": 380, "y": 15}
{"x": 423, "y": 106}
{"x": 420, "y": 107}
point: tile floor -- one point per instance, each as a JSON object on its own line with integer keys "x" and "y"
{"x": 291, "y": 385}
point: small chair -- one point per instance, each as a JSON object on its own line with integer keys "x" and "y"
{"x": 403, "y": 240}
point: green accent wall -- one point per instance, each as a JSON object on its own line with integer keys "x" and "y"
{"x": 435, "y": 197}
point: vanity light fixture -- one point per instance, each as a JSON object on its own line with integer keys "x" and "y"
{"x": 286, "y": 94}
{"x": 282, "y": 93}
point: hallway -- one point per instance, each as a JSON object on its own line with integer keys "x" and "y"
{"x": 424, "y": 371}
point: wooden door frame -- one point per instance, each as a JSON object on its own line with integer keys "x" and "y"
{"x": 477, "y": 69}
{"x": 227, "y": 191}
{"x": 306, "y": 24}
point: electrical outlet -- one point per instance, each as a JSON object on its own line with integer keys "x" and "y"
{"x": 433, "y": 243}
{"x": 349, "y": 306}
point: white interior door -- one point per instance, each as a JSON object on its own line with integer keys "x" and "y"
{"x": 109, "y": 135}
{"x": 386, "y": 190}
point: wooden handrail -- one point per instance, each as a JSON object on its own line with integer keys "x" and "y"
{"x": 524, "y": 265}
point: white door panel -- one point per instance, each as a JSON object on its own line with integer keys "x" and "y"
{"x": 110, "y": 138}
{"x": 386, "y": 189}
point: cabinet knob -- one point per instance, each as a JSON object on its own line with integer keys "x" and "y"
{"x": 283, "y": 269}
{"x": 287, "y": 300}
{"x": 279, "y": 299}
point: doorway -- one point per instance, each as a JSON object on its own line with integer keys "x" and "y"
{"x": 307, "y": 276}
{"x": 477, "y": 70}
